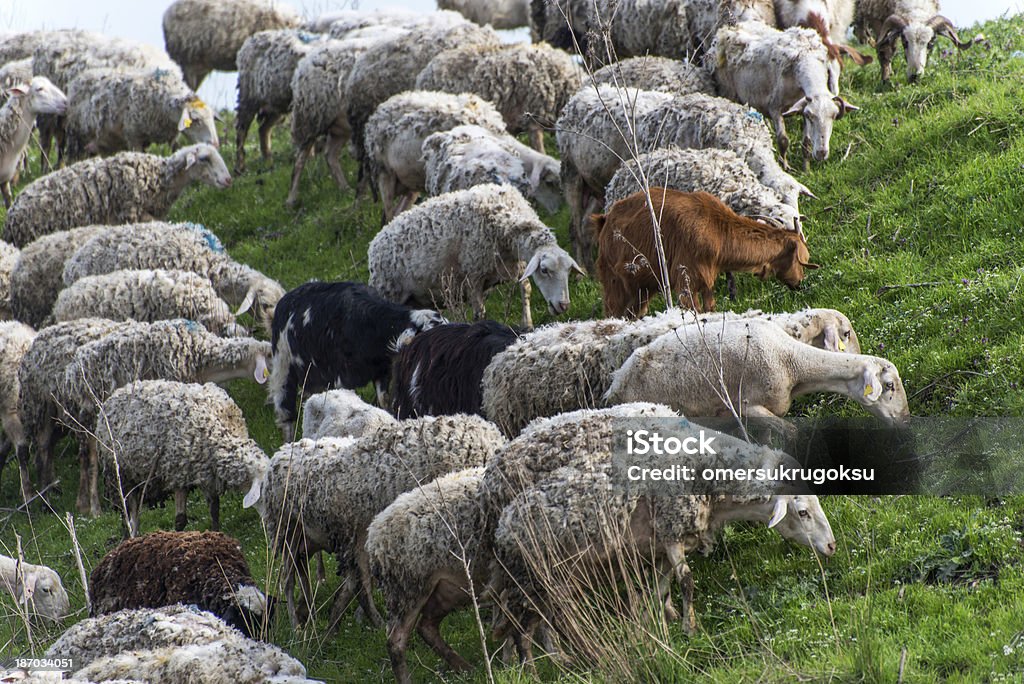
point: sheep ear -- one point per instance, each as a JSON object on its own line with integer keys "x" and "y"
{"x": 797, "y": 108}
{"x": 538, "y": 168}
{"x": 871, "y": 384}
{"x": 262, "y": 372}
{"x": 29, "y": 584}
{"x": 190, "y": 160}
{"x": 185, "y": 121}
{"x": 247, "y": 303}
{"x": 579, "y": 269}
{"x": 779, "y": 512}
{"x": 18, "y": 90}
{"x": 531, "y": 267}
{"x": 832, "y": 341}
{"x": 253, "y": 495}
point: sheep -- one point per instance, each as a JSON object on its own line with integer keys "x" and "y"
{"x": 390, "y": 67}
{"x": 915, "y": 23}
{"x": 438, "y": 373}
{"x": 422, "y": 552}
{"x": 206, "y": 569}
{"x": 21, "y": 45}
{"x": 266, "y": 63}
{"x": 705, "y": 17}
{"x": 36, "y": 589}
{"x": 395, "y": 134}
{"x": 335, "y": 335}
{"x": 8, "y": 260}
{"x": 770, "y": 366}
{"x": 701, "y": 121}
{"x": 170, "y": 435}
{"x": 467, "y": 156}
{"x": 39, "y": 376}
{"x": 781, "y": 73}
{"x": 574, "y": 362}
{"x": 719, "y": 172}
{"x": 36, "y": 276}
{"x": 529, "y": 84}
{"x": 701, "y": 237}
{"x": 594, "y": 135}
{"x": 501, "y": 14}
{"x": 17, "y": 116}
{"x": 344, "y": 23}
{"x": 147, "y": 296}
{"x": 564, "y": 24}
{"x": 15, "y": 340}
{"x": 469, "y": 241}
{"x": 15, "y": 72}
{"x": 831, "y": 19}
{"x": 674, "y": 76}
{"x": 182, "y": 246}
{"x": 639, "y": 27}
{"x": 114, "y": 109}
{"x": 126, "y": 188}
{"x": 361, "y": 478}
{"x": 206, "y": 35}
{"x": 341, "y": 413}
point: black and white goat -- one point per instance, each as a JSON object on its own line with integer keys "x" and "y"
{"x": 439, "y": 372}
{"x": 335, "y": 335}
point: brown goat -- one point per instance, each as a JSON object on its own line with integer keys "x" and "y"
{"x": 702, "y": 237}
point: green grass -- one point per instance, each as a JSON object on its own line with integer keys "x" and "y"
{"x": 922, "y": 188}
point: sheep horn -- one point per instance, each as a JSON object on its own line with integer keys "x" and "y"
{"x": 891, "y": 29}
{"x": 797, "y": 107}
{"x": 944, "y": 27}
{"x": 844, "y": 106}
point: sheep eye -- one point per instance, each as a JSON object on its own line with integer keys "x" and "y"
{"x": 805, "y": 514}
{"x": 847, "y": 334}
{"x": 889, "y": 386}
{"x": 543, "y": 270}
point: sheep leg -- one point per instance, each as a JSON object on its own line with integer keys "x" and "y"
{"x": 807, "y": 154}
{"x": 525, "y": 289}
{"x": 400, "y": 626}
{"x": 366, "y": 586}
{"x": 306, "y": 591}
{"x": 23, "y": 471}
{"x": 387, "y": 188}
{"x": 681, "y": 568}
{"x": 214, "y": 501}
{"x": 45, "y": 456}
{"x": 133, "y": 502}
{"x": 5, "y": 452}
{"x": 537, "y": 138}
{"x": 300, "y": 162}
{"x": 781, "y": 138}
{"x": 436, "y": 608}
{"x": 6, "y": 189}
{"x": 342, "y": 599}
{"x": 407, "y": 200}
{"x": 332, "y": 154}
{"x": 267, "y": 123}
{"x": 94, "y": 478}
{"x": 180, "y": 509}
{"x": 288, "y": 572}
{"x": 82, "y": 502}
{"x": 242, "y": 123}
{"x": 664, "y": 584}
{"x": 523, "y": 638}
{"x": 321, "y": 571}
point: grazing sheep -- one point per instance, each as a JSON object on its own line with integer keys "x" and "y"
{"x": 423, "y": 553}
{"x": 179, "y": 246}
{"x": 114, "y": 109}
{"x": 9, "y": 255}
{"x": 390, "y": 67}
{"x": 701, "y": 237}
{"x": 675, "y": 76}
{"x": 17, "y": 117}
{"x": 340, "y": 335}
{"x": 36, "y": 278}
{"x": 439, "y": 372}
{"x": 147, "y": 296}
{"x": 266, "y": 63}
{"x": 831, "y": 20}
{"x": 500, "y": 14}
{"x": 323, "y": 495}
{"x": 467, "y": 156}
{"x": 463, "y": 243}
{"x": 396, "y": 132}
{"x": 206, "y": 35}
{"x": 205, "y": 569}
{"x": 915, "y": 23}
{"x": 341, "y": 413}
{"x": 127, "y": 188}
{"x": 529, "y": 84}
{"x": 564, "y": 24}
{"x": 762, "y": 370}
{"x": 826, "y": 329}
{"x": 594, "y": 135}
{"x": 719, "y": 172}
{"x": 781, "y": 73}
{"x": 36, "y": 589}
{"x": 164, "y": 435}
{"x": 15, "y": 340}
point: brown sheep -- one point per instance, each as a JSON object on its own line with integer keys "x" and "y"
{"x": 702, "y": 238}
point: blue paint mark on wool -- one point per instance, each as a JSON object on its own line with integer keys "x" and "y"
{"x": 755, "y": 115}
{"x": 212, "y": 241}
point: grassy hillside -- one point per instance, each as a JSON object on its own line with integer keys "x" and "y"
{"x": 918, "y": 228}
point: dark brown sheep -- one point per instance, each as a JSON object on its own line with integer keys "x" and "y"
{"x": 702, "y": 238}
{"x": 207, "y": 569}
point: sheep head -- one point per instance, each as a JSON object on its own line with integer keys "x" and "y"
{"x": 820, "y": 112}
{"x": 801, "y": 519}
{"x": 202, "y": 163}
{"x": 878, "y": 388}
{"x": 43, "y": 96}
{"x": 42, "y": 592}
{"x": 917, "y": 38}
{"x": 550, "y": 267}
{"x": 197, "y": 122}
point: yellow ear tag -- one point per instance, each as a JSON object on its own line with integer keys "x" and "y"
{"x": 868, "y": 389}
{"x": 842, "y": 346}
{"x": 266, "y": 372}
{"x": 187, "y": 122}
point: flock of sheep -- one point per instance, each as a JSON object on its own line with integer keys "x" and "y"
{"x": 123, "y": 325}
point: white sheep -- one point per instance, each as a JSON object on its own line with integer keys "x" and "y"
{"x": 501, "y": 14}
{"x": 466, "y": 156}
{"x": 466, "y": 242}
{"x": 395, "y": 135}
{"x": 17, "y": 116}
{"x": 179, "y": 246}
{"x": 343, "y": 23}
{"x": 341, "y": 413}
{"x": 707, "y": 16}
{"x": 595, "y": 135}
{"x": 915, "y": 23}
{"x": 15, "y": 340}
{"x": 266, "y": 63}
{"x": 757, "y": 368}
{"x": 36, "y": 589}
{"x": 831, "y": 19}
{"x": 9, "y": 255}
{"x": 322, "y": 495}
{"x": 206, "y": 35}
{"x": 720, "y": 172}
{"x": 162, "y": 435}
{"x": 115, "y": 109}
{"x": 640, "y": 27}
{"x": 675, "y": 76}
{"x": 529, "y": 84}
{"x": 147, "y": 296}
{"x": 127, "y": 188}
{"x": 781, "y": 73}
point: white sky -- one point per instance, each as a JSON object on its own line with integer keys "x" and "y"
{"x": 140, "y": 20}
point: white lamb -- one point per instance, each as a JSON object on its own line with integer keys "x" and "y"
{"x": 17, "y": 116}
{"x": 36, "y": 588}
